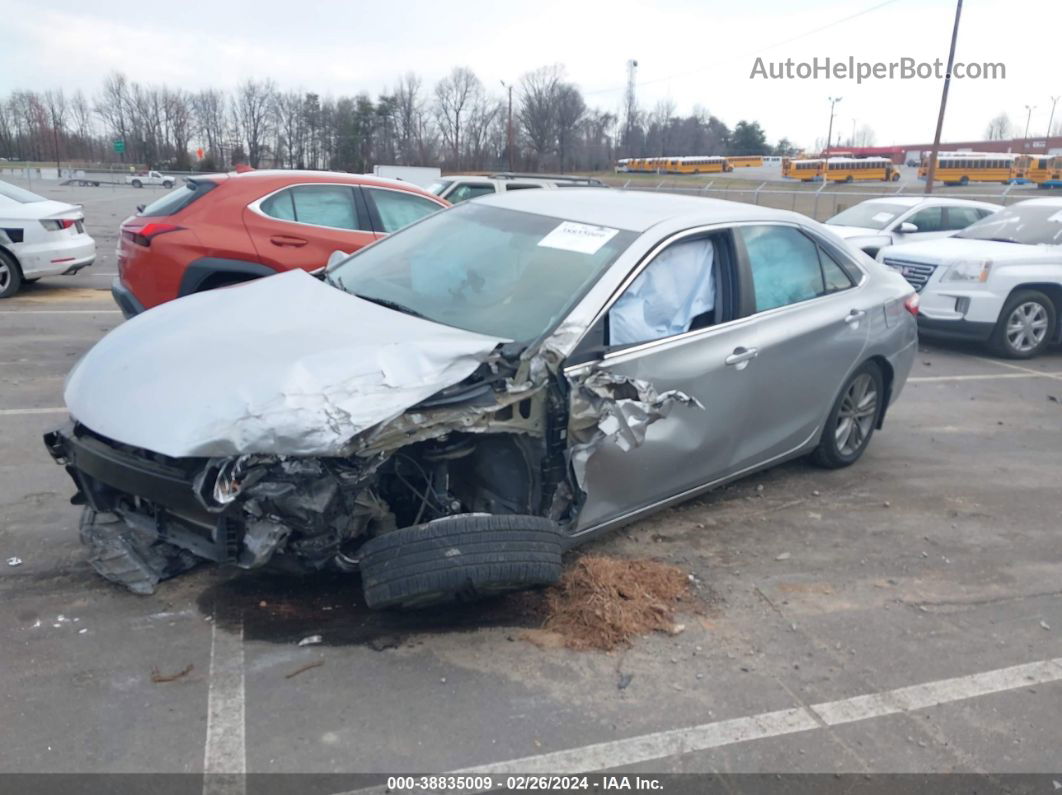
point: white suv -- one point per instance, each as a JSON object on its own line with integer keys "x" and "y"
{"x": 463, "y": 187}
{"x": 998, "y": 281}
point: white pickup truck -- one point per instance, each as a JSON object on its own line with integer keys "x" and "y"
{"x": 142, "y": 178}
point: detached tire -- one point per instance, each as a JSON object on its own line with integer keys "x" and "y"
{"x": 459, "y": 559}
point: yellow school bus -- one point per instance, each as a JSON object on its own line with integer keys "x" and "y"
{"x": 1045, "y": 171}
{"x": 746, "y": 161}
{"x": 806, "y": 170}
{"x": 860, "y": 169}
{"x": 701, "y": 165}
{"x": 962, "y": 168}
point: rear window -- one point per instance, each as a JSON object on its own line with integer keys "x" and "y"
{"x": 178, "y": 198}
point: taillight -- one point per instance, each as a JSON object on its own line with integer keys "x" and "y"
{"x": 55, "y": 224}
{"x": 143, "y": 235}
{"x": 911, "y": 303}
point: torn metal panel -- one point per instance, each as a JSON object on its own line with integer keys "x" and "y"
{"x": 607, "y": 407}
{"x": 205, "y": 376}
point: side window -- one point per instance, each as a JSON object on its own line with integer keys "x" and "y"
{"x": 784, "y": 263}
{"x": 834, "y": 277}
{"x": 928, "y": 220}
{"x": 961, "y": 217}
{"x": 325, "y": 205}
{"x": 510, "y": 186}
{"x": 675, "y": 293}
{"x": 398, "y": 208}
{"x": 280, "y": 205}
{"x": 469, "y": 190}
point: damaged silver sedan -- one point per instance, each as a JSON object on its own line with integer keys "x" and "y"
{"x": 451, "y": 408}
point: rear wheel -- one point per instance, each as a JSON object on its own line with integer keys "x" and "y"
{"x": 137, "y": 183}
{"x": 851, "y": 422}
{"x": 10, "y": 275}
{"x": 459, "y": 559}
{"x": 1025, "y": 325}
{"x": 964, "y": 181}
{"x": 167, "y": 184}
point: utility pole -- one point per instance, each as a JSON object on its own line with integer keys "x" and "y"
{"x": 630, "y": 103}
{"x": 509, "y": 143}
{"x": 1051, "y": 118}
{"x": 829, "y": 131}
{"x": 1028, "y": 118}
{"x": 932, "y": 171}
{"x": 853, "y": 140}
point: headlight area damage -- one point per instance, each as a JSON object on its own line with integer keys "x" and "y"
{"x": 469, "y": 491}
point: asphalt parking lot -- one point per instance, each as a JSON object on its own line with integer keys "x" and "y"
{"x": 903, "y": 615}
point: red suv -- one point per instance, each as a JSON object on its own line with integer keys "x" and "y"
{"x": 221, "y": 229}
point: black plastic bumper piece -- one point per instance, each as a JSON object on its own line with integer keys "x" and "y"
{"x": 125, "y": 299}
{"x": 145, "y": 489}
{"x": 955, "y": 329}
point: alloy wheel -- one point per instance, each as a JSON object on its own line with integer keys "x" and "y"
{"x": 855, "y": 420}
{"x": 1026, "y": 326}
{"x": 5, "y": 274}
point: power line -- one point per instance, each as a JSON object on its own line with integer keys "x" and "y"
{"x": 749, "y": 52}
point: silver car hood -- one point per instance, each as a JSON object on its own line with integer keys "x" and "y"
{"x": 284, "y": 365}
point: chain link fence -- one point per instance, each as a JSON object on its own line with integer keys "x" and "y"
{"x": 826, "y": 200}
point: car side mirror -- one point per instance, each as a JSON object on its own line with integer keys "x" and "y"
{"x": 907, "y": 228}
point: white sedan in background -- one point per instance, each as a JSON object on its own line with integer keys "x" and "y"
{"x": 39, "y": 237}
{"x": 876, "y": 223}
{"x": 998, "y": 281}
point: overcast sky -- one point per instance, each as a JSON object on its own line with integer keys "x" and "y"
{"x": 689, "y": 51}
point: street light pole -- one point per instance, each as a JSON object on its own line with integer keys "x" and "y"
{"x": 931, "y": 172}
{"x": 1051, "y": 118}
{"x": 829, "y": 131}
{"x": 1028, "y": 118}
{"x": 509, "y": 142}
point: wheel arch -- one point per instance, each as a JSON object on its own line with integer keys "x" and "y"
{"x": 888, "y": 376}
{"x": 210, "y": 273}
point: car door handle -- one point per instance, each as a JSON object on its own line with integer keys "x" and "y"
{"x": 855, "y": 316}
{"x": 741, "y": 356}
{"x": 285, "y": 240}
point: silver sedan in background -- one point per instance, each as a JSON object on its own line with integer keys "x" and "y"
{"x": 451, "y": 408}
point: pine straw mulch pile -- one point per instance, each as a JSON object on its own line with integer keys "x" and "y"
{"x": 602, "y": 602}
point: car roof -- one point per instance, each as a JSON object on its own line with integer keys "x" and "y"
{"x": 635, "y": 211}
{"x": 1052, "y": 201}
{"x": 279, "y": 177}
{"x": 911, "y": 201}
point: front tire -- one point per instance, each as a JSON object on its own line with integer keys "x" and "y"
{"x": 10, "y": 275}
{"x": 851, "y": 422}
{"x": 1025, "y": 326}
{"x": 459, "y": 559}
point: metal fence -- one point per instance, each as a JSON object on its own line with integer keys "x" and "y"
{"x": 820, "y": 203}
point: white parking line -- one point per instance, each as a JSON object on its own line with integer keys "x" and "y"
{"x": 924, "y": 379}
{"x": 660, "y": 745}
{"x": 16, "y": 412}
{"x": 1013, "y": 366}
{"x": 225, "y": 754}
{"x": 60, "y": 311}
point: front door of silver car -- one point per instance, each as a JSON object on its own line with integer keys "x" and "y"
{"x": 675, "y": 326}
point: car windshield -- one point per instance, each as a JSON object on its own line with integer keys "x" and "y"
{"x": 1031, "y": 224}
{"x": 439, "y": 186}
{"x": 503, "y": 273}
{"x": 20, "y": 195}
{"x": 871, "y": 215}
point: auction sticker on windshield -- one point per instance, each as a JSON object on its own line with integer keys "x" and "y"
{"x": 582, "y": 238}
{"x": 882, "y": 218}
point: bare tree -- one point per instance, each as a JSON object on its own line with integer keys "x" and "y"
{"x": 254, "y": 116}
{"x": 210, "y": 111}
{"x": 112, "y": 105}
{"x": 999, "y": 128}
{"x": 570, "y": 111}
{"x": 539, "y": 91}
{"x": 55, "y": 102}
{"x": 453, "y": 96}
